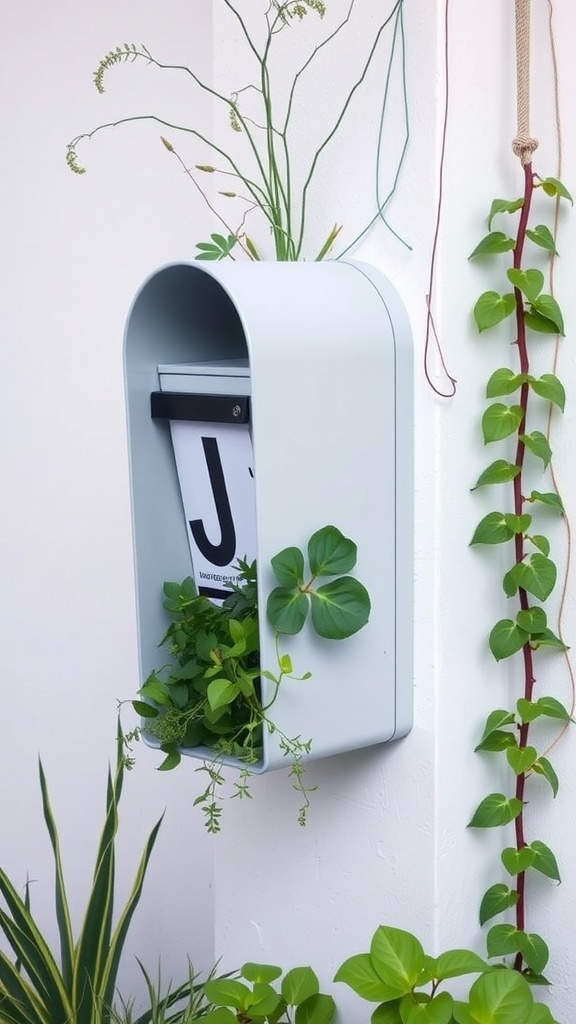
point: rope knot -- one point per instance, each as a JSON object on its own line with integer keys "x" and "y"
{"x": 523, "y": 147}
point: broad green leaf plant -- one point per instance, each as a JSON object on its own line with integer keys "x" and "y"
{"x": 410, "y": 987}
{"x": 253, "y": 999}
{"x": 208, "y": 696}
{"x": 264, "y": 179}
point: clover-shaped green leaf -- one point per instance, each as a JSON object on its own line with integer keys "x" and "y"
{"x": 339, "y": 608}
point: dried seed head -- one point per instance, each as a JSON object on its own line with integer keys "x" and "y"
{"x": 234, "y": 119}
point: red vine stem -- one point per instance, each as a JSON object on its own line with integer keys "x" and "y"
{"x": 519, "y": 540}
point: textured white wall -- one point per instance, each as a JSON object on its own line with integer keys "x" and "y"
{"x": 73, "y": 252}
{"x": 386, "y": 841}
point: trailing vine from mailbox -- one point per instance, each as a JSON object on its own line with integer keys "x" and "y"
{"x": 264, "y": 179}
{"x": 210, "y": 693}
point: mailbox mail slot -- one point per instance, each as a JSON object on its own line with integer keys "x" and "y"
{"x": 208, "y": 408}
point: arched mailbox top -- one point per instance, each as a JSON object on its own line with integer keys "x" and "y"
{"x": 225, "y": 311}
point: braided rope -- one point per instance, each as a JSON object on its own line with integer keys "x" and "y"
{"x": 524, "y": 144}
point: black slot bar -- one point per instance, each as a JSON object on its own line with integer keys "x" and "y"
{"x": 214, "y": 592}
{"x": 176, "y": 405}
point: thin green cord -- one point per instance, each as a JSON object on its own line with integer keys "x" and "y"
{"x": 382, "y": 204}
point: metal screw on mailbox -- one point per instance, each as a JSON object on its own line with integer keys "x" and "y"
{"x": 236, "y": 410}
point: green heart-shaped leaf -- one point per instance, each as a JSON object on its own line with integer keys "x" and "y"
{"x": 546, "y": 306}
{"x": 518, "y": 524}
{"x": 506, "y": 638}
{"x": 544, "y": 767}
{"x": 288, "y": 567}
{"x": 492, "y": 529}
{"x": 398, "y": 957}
{"x": 495, "y": 242}
{"x": 499, "y": 421}
{"x": 554, "y": 187}
{"x": 227, "y": 992}
{"x": 500, "y": 997}
{"x": 496, "y": 900}
{"x": 547, "y": 639}
{"x": 528, "y": 710}
{"x": 287, "y": 610}
{"x": 318, "y": 1009}
{"x": 498, "y": 740}
{"x": 541, "y": 324}
{"x": 540, "y": 542}
{"x": 221, "y": 692}
{"x": 298, "y": 984}
{"x": 454, "y": 963}
{"x": 549, "y": 387}
{"x": 552, "y": 708}
{"x": 504, "y": 382}
{"x": 542, "y": 236}
{"x": 360, "y": 974}
{"x": 521, "y": 759}
{"x": 491, "y": 308}
{"x": 545, "y": 861}
{"x": 549, "y": 498}
{"x": 340, "y": 608}
{"x": 388, "y": 1013}
{"x": 496, "y": 719}
{"x": 330, "y": 552}
{"x": 503, "y": 206}
{"x": 494, "y": 810}
{"x": 498, "y": 472}
{"x": 516, "y": 861}
{"x": 533, "y": 620}
{"x": 536, "y": 574}
{"x": 529, "y": 282}
{"x": 502, "y": 939}
{"x": 426, "y": 1010}
{"x": 260, "y": 972}
{"x": 535, "y": 951}
{"x": 537, "y": 443}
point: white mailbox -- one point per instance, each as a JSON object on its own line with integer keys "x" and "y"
{"x": 285, "y": 392}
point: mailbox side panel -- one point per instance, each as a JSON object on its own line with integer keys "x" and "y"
{"x": 326, "y": 345}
